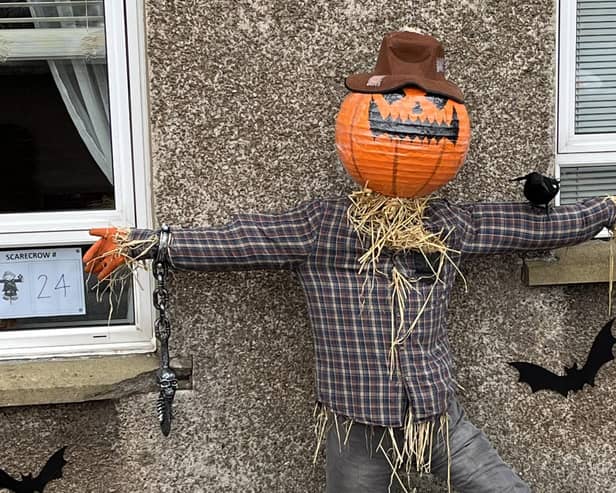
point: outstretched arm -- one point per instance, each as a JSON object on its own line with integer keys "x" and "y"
{"x": 249, "y": 241}
{"x": 511, "y": 227}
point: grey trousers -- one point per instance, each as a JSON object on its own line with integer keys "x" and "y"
{"x": 358, "y": 467}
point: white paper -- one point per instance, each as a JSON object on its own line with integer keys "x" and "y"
{"x": 41, "y": 283}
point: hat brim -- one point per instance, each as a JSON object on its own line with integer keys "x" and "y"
{"x": 389, "y": 83}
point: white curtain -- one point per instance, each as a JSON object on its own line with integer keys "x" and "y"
{"x": 82, "y": 83}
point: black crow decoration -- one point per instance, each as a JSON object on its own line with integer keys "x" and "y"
{"x": 539, "y": 189}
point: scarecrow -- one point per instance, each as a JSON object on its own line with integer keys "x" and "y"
{"x": 9, "y": 286}
{"x": 377, "y": 268}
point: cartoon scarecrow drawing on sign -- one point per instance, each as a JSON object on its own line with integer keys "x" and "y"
{"x": 377, "y": 268}
{"x": 9, "y": 286}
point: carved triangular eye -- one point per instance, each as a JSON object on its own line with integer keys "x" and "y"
{"x": 392, "y": 97}
{"x": 438, "y": 101}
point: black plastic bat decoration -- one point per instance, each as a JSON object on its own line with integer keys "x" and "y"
{"x": 575, "y": 378}
{"x": 28, "y": 484}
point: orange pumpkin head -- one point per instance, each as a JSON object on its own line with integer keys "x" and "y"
{"x": 402, "y": 144}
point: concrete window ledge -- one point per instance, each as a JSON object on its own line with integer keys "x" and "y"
{"x": 585, "y": 263}
{"x": 64, "y": 380}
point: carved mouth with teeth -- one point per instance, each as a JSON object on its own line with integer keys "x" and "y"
{"x": 413, "y": 127}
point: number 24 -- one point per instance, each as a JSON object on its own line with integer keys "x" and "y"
{"x": 61, "y": 284}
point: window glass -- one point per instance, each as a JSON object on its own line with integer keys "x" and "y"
{"x": 586, "y": 109}
{"x": 595, "y": 67}
{"x": 55, "y": 133}
{"x": 73, "y": 128}
{"x": 36, "y": 285}
{"x": 55, "y": 122}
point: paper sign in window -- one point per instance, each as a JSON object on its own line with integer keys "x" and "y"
{"x": 41, "y": 283}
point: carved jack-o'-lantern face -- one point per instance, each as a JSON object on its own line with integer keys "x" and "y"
{"x": 402, "y": 144}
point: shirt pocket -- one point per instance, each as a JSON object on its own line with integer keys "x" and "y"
{"x": 417, "y": 266}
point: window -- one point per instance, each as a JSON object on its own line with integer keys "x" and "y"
{"x": 73, "y": 133}
{"x": 586, "y": 116}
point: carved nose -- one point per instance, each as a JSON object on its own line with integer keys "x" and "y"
{"x": 417, "y": 109}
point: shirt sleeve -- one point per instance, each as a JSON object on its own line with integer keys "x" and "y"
{"x": 511, "y": 227}
{"x": 247, "y": 242}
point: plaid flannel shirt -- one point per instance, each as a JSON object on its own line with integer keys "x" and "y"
{"x": 352, "y": 325}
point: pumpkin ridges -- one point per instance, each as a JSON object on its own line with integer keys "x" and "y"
{"x": 394, "y": 170}
{"x": 434, "y": 171}
{"x": 438, "y": 164}
{"x": 352, "y": 105}
{"x": 351, "y": 140}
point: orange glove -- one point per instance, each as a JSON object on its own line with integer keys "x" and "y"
{"x": 99, "y": 258}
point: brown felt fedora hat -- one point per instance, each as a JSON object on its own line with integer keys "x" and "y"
{"x": 407, "y": 59}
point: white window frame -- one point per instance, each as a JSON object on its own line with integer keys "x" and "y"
{"x": 571, "y": 149}
{"x": 567, "y": 141}
{"x": 128, "y": 90}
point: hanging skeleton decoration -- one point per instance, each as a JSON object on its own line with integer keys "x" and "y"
{"x": 115, "y": 250}
{"x": 166, "y": 376}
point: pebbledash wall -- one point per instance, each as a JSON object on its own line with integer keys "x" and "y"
{"x": 243, "y": 100}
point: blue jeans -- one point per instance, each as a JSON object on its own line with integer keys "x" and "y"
{"x": 358, "y": 467}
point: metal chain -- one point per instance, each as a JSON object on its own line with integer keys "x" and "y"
{"x": 166, "y": 377}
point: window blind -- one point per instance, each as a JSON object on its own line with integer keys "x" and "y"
{"x": 595, "y": 91}
{"x": 52, "y": 30}
{"x": 583, "y": 182}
